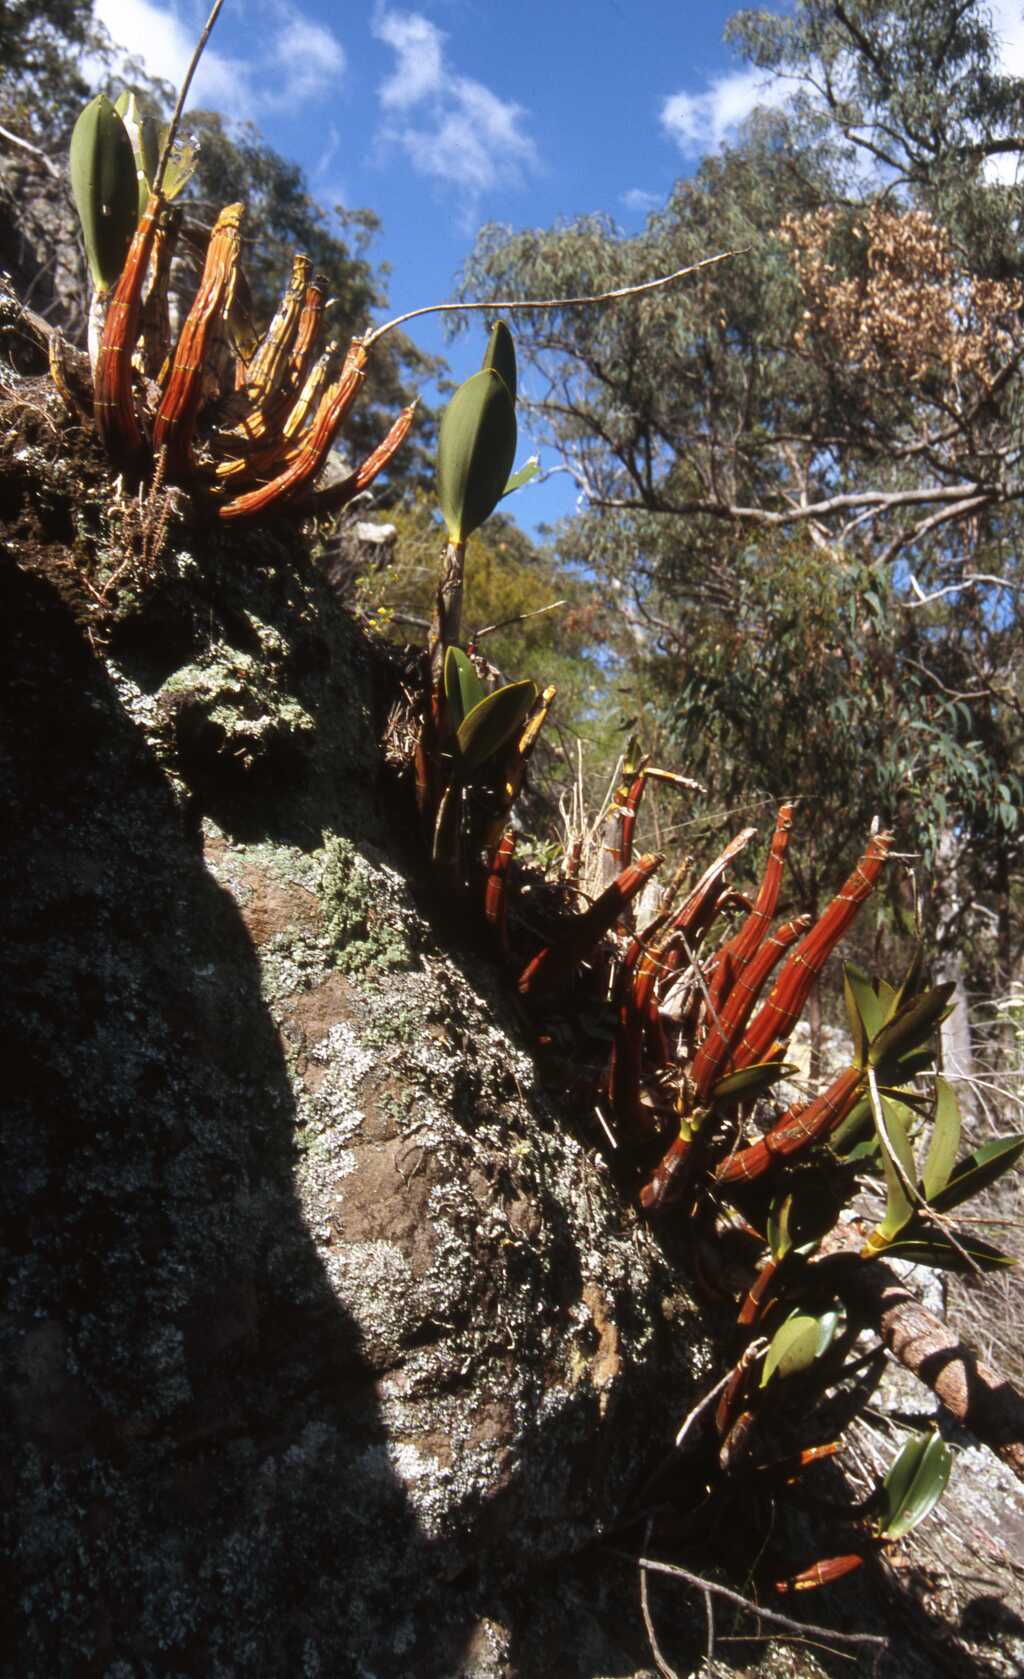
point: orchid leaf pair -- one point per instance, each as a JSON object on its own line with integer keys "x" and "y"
{"x": 480, "y": 724}
{"x": 906, "y": 1231}
{"x": 913, "y": 1485}
{"x": 115, "y": 153}
{"x": 892, "y": 1027}
{"x": 477, "y": 443}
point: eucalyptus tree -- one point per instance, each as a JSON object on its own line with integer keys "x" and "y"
{"x": 825, "y": 431}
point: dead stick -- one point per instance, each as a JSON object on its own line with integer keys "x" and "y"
{"x": 803, "y": 1628}
{"x": 510, "y": 303}
{"x": 172, "y": 130}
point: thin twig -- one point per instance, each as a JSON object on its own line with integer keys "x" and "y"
{"x": 507, "y": 304}
{"x": 986, "y": 577}
{"x": 709, "y": 1654}
{"x": 520, "y": 618}
{"x": 803, "y": 1628}
{"x": 172, "y": 131}
{"x": 660, "y": 1663}
{"x": 27, "y": 146}
{"x": 748, "y": 1356}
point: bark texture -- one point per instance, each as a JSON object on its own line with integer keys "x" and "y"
{"x": 980, "y": 1399}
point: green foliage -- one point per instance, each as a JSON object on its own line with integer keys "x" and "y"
{"x": 982, "y": 1168}
{"x": 477, "y": 442}
{"x": 800, "y": 1216}
{"x": 945, "y": 1141}
{"x": 893, "y": 1121}
{"x": 915, "y": 89}
{"x": 490, "y": 725}
{"x": 913, "y": 1485}
{"x": 105, "y": 187}
{"x": 42, "y": 45}
{"x": 913, "y": 1226}
{"x": 751, "y": 1081}
{"x": 500, "y": 357}
{"x": 144, "y": 136}
{"x": 801, "y": 1340}
{"x": 463, "y": 688}
{"x": 476, "y": 449}
{"x": 507, "y": 575}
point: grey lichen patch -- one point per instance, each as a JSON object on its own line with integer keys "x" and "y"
{"x": 229, "y": 690}
{"x": 469, "y": 1240}
{"x": 369, "y": 915}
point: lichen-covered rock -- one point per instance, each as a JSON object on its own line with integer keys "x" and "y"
{"x": 321, "y": 1331}
{"x": 325, "y": 1348}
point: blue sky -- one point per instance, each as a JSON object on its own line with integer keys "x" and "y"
{"x": 445, "y": 114}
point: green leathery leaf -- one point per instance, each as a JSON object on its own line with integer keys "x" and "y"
{"x": 181, "y": 165}
{"x": 142, "y": 132}
{"x": 980, "y": 1169}
{"x": 912, "y": 1099}
{"x": 914, "y": 1484}
{"x": 797, "y": 1343}
{"x": 750, "y": 1081}
{"x": 919, "y": 1244}
{"x": 848, "y": 1138}
{"x": 889, "y": 998}
{"x": 500, "y": 355}
{"x": 523, "y": 476}
{"x": 808, "y": 1211}
{"x": 828, "y": 1323}
{"x": 475, "y": 452}
{"x": 899, "y": 1477}
{"x": 864, "y": 1008}
{"x": 463, "y": 688}
{"x": 105, "y": 189}
{"x": 777, "y": 1229}
{"x": 945, "y": 1140}
{"x": 911, "y": 1025}
{"x": 485, "y": 729}
{"x": 899, "y": 1208}
{"x": 899, "y": 1069}
{"x": 796, "y": 1222}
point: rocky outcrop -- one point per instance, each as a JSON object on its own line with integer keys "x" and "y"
{"x": 322, "y": 1332}
{"x": 326, "y": 1346}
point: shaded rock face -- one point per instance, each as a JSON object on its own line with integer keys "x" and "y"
{"x": 40, "y": 243}
{"x": 323, "y": 1340}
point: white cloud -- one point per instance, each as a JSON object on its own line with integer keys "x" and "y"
{"x": 641, "y": 201}
{"x": 310, "y": 58}
{"x": 297, "y": 62}
{"x": 452, "y": 127}
{"x": 419, "y": 48}
{"x": 699, "y": 122}
{"x": 164, "y": 45}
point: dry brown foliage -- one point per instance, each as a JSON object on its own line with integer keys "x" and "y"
{"x": 912, "y": 313}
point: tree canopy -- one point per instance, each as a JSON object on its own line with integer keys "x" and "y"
{"x": 801, "y": 470}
